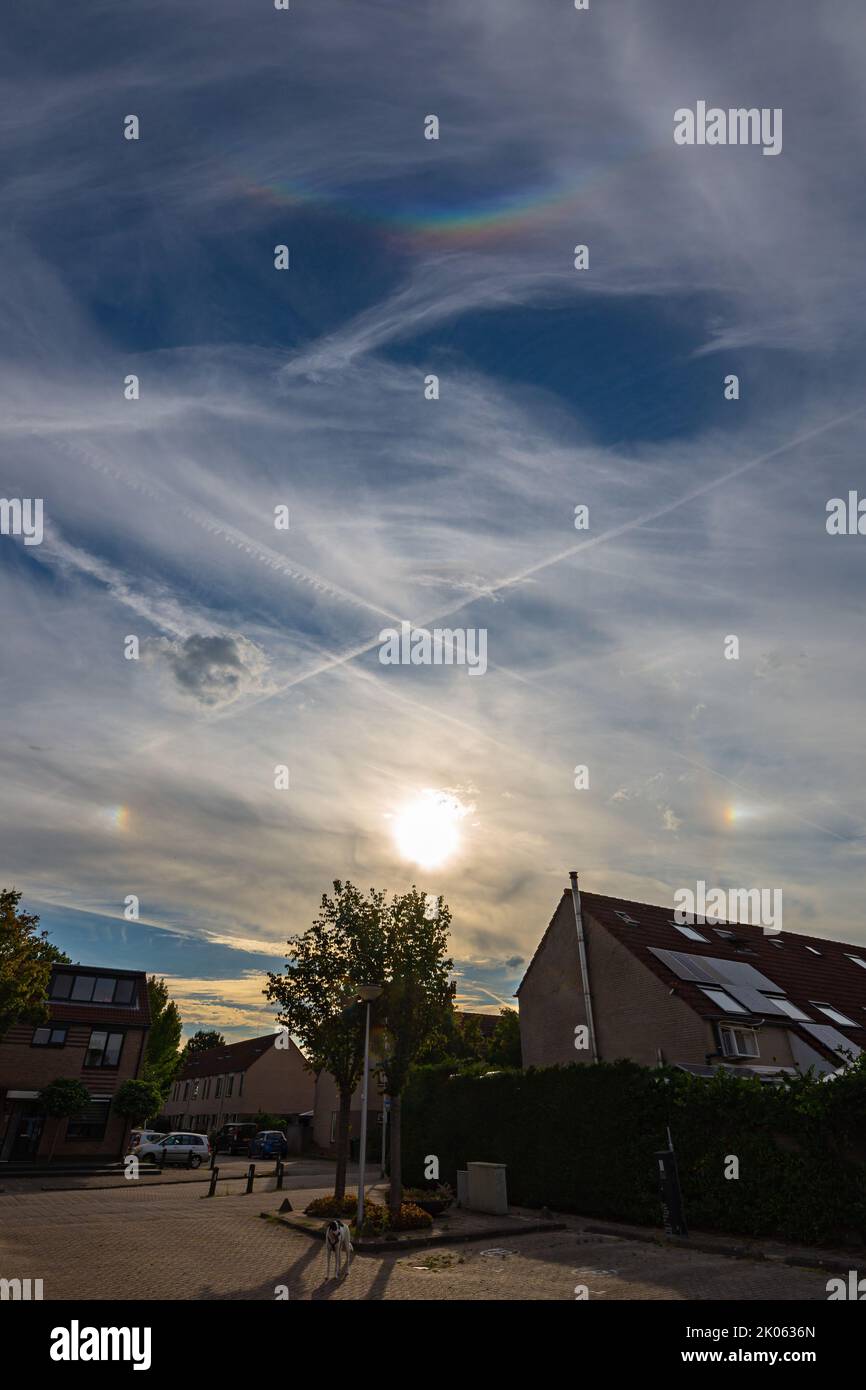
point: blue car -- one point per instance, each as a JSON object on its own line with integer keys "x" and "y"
{"x": 269, "y": 1143}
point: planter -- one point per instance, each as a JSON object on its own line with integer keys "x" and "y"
{"x": 432, "y": 1206}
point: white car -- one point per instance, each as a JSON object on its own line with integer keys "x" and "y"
{"x": 177, "y": 1148}
{"x": 144, "y": 1136}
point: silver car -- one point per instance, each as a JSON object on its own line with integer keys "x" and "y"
{"x": 177, "y": 1148}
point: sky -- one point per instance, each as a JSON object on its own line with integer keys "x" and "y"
{"x": 304, "y": 388}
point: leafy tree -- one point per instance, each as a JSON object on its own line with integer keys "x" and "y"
{"x": 265, "y": 1121}
{"x": 161, "y": 1056}
{"x": 504, "y": 1050}
{"x": 26, "y": 958}
{"x": 457, "y": 1038}
{"x": 61, "y": 1099}
{"x": 202, "y": 1041}
{"x": 315, "y": 996}
{"x": 471, "y": 1043}
{"x": 136, "y": 1100}
{"x": 417, "y": 989}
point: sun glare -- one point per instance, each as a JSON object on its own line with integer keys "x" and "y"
{"x": 427, "y": 830}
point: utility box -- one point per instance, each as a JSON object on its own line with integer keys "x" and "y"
{"x": 462, "y": 1187}
{"x": 487, "y": 1190}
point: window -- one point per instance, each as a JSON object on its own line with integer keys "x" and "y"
{"x": 186, "y": 1090}
{"x": 738, "y": 1042}
{"x": 90, "y": 1122}
{"x": 335, "y": 1114}
{"x": 49, "y": 1037}
{"x": 788, "y": 1008}
{"x": 691, "y": 933}
{"x": 93, "y": 989}
{"x": 624, "y": 917}
{"x": 205, "y": 1090}
{"x": 728, "y": 935}
{"x": 858, "y": 961}
{"x": 813, "y": 950}
{"x": 724, "y": 1001}
{"x": 241, "y": 1084}
{"x": 195, "y": 1086}
{"x": 104, "y": 1049}
{"x": 774, "y": 942}
{"x": 230, "y": 1085}
{"x": 836, "y": 1016}
{"x": 218, "y": 1089}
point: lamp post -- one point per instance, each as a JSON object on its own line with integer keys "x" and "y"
{"x": 366, "y": 994}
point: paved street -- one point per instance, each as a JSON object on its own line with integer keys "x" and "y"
{"x": 173, "y": 1242}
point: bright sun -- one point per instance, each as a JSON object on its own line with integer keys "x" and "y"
{"x": 427, "y": 829}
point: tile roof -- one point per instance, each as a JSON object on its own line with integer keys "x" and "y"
{"x": 830, "y": 976}
{"x": 237, "y": 1056}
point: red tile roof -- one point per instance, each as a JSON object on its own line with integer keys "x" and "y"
{"x": 237, "y": 1056}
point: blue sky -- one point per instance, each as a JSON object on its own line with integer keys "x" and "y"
{"x": 306, "y": 388}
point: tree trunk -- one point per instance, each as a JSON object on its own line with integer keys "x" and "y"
{"x": 396, "y": 1196}
{"x": 342, "y": 1141}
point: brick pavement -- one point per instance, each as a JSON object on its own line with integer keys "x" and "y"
{"x": 175, "y": 1243}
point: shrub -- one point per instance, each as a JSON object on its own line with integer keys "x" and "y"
{"x": 333, "y": 1206}
{"x": 376, "y": 1217}
{"x": 583, "y": 1139}
{"x": 411, "y": 1218}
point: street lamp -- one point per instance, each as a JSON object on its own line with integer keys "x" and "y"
{"x": 366, "y": 994}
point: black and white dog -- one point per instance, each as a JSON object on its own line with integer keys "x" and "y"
{"x": 338, "y": 1242}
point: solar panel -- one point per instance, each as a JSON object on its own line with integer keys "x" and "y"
{"x": 754, "y": 1001}
{"x": 831, "y": 1037}
{"x": 711, "y": 970}
{"x": 739, "y": 972}
{"x": 680, "y": 964}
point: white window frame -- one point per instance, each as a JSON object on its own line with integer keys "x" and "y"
{"x": 792, "y": 1010}
{"x": 732, "y": 1031}
{"x": 730, "y": 1005}
{"x": 834, "y": 1014}
{"x": 692, "y": 933}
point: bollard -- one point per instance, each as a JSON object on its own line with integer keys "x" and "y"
{"x": 279, "y": 1175}
{"x": 214, "y": 1174}
{"x": 251, "y": 1174}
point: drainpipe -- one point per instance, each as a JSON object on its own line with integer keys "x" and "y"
{"x": 584, "y": 969}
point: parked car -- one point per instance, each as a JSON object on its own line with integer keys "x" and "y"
{"x": 177, "y": 1148}
{"x": 235, "y": 1139}
{"x": 269, "y": 1143}
{"x": 144, "y": 1136}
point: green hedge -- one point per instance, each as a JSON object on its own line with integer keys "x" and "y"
{"x": 583, "y": 1138}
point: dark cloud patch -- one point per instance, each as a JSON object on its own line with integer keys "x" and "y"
{"x": 215, "y": 670}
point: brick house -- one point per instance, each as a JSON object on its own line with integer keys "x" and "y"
{"x": 697, "y": 996}
{"x": 95, "y": 1033}
{"x": 237, "y": 1081}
